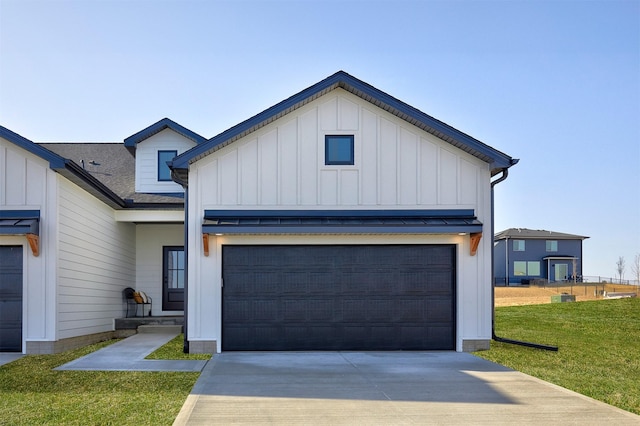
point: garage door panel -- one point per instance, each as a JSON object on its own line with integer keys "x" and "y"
{"x": 294, "y": 310}
{"x": 338, "y": 297}
{"x": 439, "y": 282}
{"x": 439, "y": 310}
{"x": 11, "y": 298}
{"x": 411, "y": 310}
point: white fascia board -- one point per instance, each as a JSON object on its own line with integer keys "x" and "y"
{"x": 139, "y": 216}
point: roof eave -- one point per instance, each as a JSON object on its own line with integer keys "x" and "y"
{"x": 54, "y": 160}
{"x": 498, "y": 160}
{"x": 166, "y": 123}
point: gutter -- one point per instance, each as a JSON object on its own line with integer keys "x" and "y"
{"x": 95, "y": 186}
{"x": 505, "y": 174}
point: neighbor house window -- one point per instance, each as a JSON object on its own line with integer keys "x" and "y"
{"x": 518, "y": 245}
{"x": 164, "y": 173}
{"x": 530, "y": 269}
{"x": 552, "y": 246}
{"x": 519, "y": 268}
{"x": 533, "y": 269}
{"x": 338, "y": 150}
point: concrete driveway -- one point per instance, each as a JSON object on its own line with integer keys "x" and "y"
{"x": 376, "y": 388}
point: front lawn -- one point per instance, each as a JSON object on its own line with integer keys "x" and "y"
{"x": 599, "y": 347}
{"x": 31, "y": 392}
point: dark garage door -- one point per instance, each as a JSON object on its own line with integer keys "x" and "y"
{"x": 10, "y": 298}
{"x": 347, "y": 297}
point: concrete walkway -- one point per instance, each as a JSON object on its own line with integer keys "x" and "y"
{"x": 128, "y": 355}
{"x": 381, "y": 388}
{"x": 7, "y": 357}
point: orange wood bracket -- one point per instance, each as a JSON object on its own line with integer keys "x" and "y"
{"x": 475, "y": 241}
{"x": 205, "y": 244}
{"x": 34, "y": 243}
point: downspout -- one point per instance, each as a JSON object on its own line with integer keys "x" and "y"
{"x": 505, "y": 173}
{"x": 506, "y": 256}
{"x": 175, "y": 175}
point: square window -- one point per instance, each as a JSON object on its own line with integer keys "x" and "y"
{"x": 164, "y": 173}
{"x": 533, "y": 269}
{"x": 338, "y": 150}
{"x": 518, "y": 245}
{"x": 519, "y": 268}
{"x": 552, "y": 245}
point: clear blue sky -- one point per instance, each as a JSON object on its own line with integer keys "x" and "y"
{"x": 553, "y": 83}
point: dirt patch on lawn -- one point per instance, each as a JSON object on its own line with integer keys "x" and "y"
{"x": 534, "y": 295}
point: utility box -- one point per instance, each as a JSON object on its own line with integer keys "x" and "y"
{"x": 559, "y": 298}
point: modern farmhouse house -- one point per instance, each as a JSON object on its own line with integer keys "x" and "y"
{"x": 523, "y": 255}
{"x": 340, "y": 218}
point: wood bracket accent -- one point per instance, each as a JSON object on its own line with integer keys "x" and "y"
{"x": 475, "y": 242}
{"x": 205, "y": 244}
{"x": 34, "y": 243}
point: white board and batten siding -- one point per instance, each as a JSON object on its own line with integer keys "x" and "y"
{"x": 397, "y": 166}
{"x": 147, "y": 161}
{"x": 96, "y": 261}
{"x": 27, "y": 183}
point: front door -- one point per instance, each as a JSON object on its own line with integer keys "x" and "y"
{"x": 562, "y": 270}
{"x": 173, "y": 278}
{"x": 10, "y": 298}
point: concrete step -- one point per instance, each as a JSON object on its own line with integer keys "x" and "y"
{"x": 156, "y": 328}
{"x": 135, "y": 322}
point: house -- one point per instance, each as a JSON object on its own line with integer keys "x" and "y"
{"x": 340, "y": 218}
{"x": 523, "y": 255}
{"x": 78, "y": 224}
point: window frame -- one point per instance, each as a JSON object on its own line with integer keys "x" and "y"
{"x": 551, "y": 249}
{"x": 528, "y": 267}
{"x": 167, "y": 272}
{"x": 519, "y": 245}
{"x": 348, "y": 162}
{"x": 161, "y": 166}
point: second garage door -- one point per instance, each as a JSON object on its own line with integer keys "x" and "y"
{"x": 10, "y": 298}
{"x": 345, "y": 297}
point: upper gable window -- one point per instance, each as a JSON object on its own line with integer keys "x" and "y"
{"x": 338, "y": 150}
{"x": 164, "y": 173}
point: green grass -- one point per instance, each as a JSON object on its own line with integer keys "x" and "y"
{"x": 173, "y": 350}
{"x": 599, "y": 347}
{"x": 31, "y": 393}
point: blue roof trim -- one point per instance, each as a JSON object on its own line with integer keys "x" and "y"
{"x": 497, "y": 159}
{"x": 343, "y": 214}
{"x": 55, "y": 161}
{"x": 19, "y": 222}
{"x": 340, "y": 222}
{"x": 66, "y": 168}
{"x": 165, "y": 123}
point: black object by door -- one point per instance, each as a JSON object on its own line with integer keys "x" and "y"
{"x": 10, "y": 298}
{"x": 173, "y": 278}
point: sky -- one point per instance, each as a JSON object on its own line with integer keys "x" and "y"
{"x": 555, "y": 84}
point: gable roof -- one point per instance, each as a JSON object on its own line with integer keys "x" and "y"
{"x": 498, "y": 160}
{"x": 55, "y": 160}
{"x": 66, "y": 168}
{"x": 540, "y": 234}
{"x": 107, "y": 187}
{"x": 113, "y": 166}
{"x": 131, "y": 142}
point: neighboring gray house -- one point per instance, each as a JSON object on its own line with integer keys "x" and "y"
{"x": 522, "y": 255}
{"x": 340, "y": 218}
